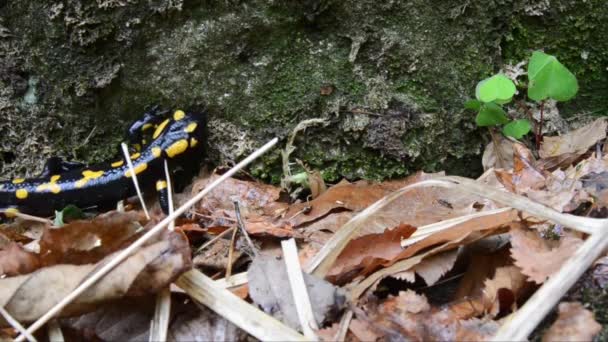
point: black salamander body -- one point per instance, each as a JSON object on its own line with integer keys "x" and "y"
{"x": 177, "y": 137}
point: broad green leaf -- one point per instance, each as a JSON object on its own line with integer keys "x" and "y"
{"x": 517, "y": 128}
{"x": 498, "y": 88}
{"x": 69, "y": 213}
{"x": 548, "y": 78}
{"x": 472, "y": 104}
{"x": 491, "y": 114}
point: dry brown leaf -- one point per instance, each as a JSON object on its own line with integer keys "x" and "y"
{"x": 128, "y": 319}
{"x": 252, "y": 196}
{"x": 262, "y": 225}
{"x": 434, "y": 267}
{"x": 15, "y": 260}
{"x": 270, "y": 289}
{"x": 535, "y": 257}
{"x": 370, "y": 250}
{"x": 151, "y": 268}
{"x": 577, "y": 141}
{"x": 574, "y": 323}
{"x": 346, "y": 196}
{"x": 500, "y": 294}
{"x": 524, "y": 175}
{"x": 316, "y": 183}
{"x": 476, "y": 330}
{"x": 362, "y": 330}
{"x": 500, "y": 157}
{"x": 215, "y": 257}
{"x": 409, "y": 317}
{"x": 88, "y": 241}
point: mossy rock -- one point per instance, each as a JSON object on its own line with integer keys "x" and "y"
{"x": 389, "y": 77}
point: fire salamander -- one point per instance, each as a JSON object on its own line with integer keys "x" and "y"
{"x": 175, "y": 136}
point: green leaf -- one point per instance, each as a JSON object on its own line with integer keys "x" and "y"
{"x": 491, "y": 114}
{"x": 517, "y": 128}
{"x": 548, "y": 78}
{"x": 473, "y": 105}
{"x": 69, "y": 213}
{"x": 498, "y": 88}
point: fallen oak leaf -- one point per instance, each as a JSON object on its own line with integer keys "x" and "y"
{"x": 151, "y": 268}
{"x": 535, "y": 257}
{"x": 574, "y": 323}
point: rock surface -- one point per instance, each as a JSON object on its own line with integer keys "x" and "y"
{"x": 389, "y": 76}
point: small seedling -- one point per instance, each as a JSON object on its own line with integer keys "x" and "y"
{"x": 547, "y": 79}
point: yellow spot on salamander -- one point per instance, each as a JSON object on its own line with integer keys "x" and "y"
{"x": 18, "y": 180}
{"x": 87, "y": 176}
{"x": 160, "y": 129}
{"x": 193, "y": 142}
{"x": 135, "y": 156}
{"x": 139, "y": 168}
{"x": 161, "y": 184}
{"x": 178, "y": 115}
{"x": 21, "y": 194}
{"x": 51, "y": 186}
{"x": 156, "y": 152}
{"x": 146, "y": 126}
{"x": 117, "y": 163}
{"x": 177, "y": 147}
{"x": 11, "y": 212}
{"x": 191, "y": 127}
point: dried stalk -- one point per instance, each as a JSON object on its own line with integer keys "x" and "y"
{"x": 240, "y": 313}
{"x": 298, "y": 289}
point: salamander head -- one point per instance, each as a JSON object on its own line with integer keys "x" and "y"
{"x": 180, "y": 133}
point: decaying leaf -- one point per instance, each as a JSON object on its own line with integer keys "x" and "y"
{"x": 269, "y": 288}
{"x": 153, "y": 267}
{"x": 536, "y": 257}
{"x": 577, "y": 141}
{"x": 574, "y": 323}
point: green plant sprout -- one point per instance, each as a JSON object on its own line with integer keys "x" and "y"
{"x": 547, "y": 79}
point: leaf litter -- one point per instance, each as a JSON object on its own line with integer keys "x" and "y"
{"x": 434, "y": 263}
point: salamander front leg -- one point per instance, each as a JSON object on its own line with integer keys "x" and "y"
{"x": 56, "y": 166}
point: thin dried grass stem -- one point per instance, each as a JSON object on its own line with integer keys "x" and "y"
{"x": 298, "y": 289}
{"x": 125, "y": 152}
{"x": 226, "y": 304}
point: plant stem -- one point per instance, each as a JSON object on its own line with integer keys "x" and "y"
{"x": 539, "y": 134}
